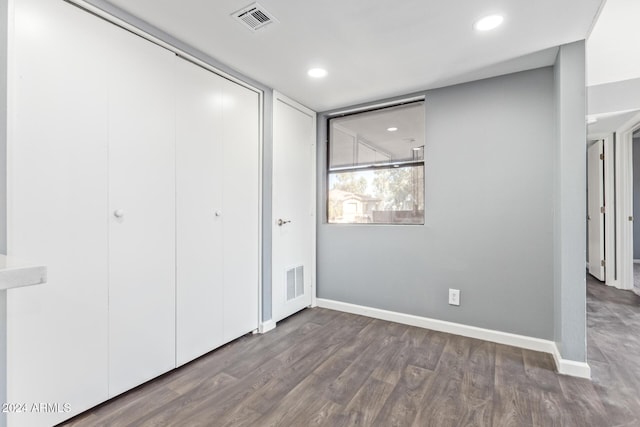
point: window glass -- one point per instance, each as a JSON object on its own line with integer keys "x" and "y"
{"x": 376, "y": 166}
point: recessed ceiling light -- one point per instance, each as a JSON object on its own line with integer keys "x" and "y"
{"x": 317, "y": 73}
{"x": 392, "y": 129}
{"x": 488, "y": 22}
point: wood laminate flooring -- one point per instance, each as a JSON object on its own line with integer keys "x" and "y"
{"x": 326, "y": 368}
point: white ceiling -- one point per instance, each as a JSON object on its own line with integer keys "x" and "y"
{"x": 613, "y": 55}
{"x": 613, "y": 48}
{"x": 372, "y": 48}
{"x": 609, "y": 123}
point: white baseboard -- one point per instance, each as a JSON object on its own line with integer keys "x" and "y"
{"x": 267, "y": 326}
{"x": 570, "y": 367}
{"x": 566, "y": 367}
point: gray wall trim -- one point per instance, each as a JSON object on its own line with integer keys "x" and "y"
{"x": 570, "y": 203}
{"x": 613, "y": 97}
{"x": 267, "y": 206}
{"x": 267, "y": 133}
{"x": 489, "y": 213}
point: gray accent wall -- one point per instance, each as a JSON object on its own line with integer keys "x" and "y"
{"x": 267, "y": 134}
{"x": 569, "y": 159}
{"x": 636, "y": 197}
{"x": 488, "y": 215}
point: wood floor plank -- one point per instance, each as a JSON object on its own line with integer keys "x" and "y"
{"x": 427, "y": 353}
{"x": 365, "y": 405}
{"x": 479, "y": 372}
{"x": 342, "y": 389}
{"x": 180, "y": 406}
{"x": 160, "y": 406}
{"x": 301, "y": 404}
{"x": 260, "y": 394}
{"x": 539, "y": 370}
{"x": 325, "y": 368}
{"x": 392, "y": 357}
{"x": 584, "y": 406}
{"x": 442, "y": 402}
{"x": 403, "y": 404}
{"x": 477, "y": 386}
{"x": 511, "y": 406}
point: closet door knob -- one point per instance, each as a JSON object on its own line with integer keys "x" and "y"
{"x": 218, "y": 213}
{"x": 118, "y": 213}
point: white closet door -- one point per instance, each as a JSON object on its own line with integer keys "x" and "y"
{"x": 141, "y": 212}
{"x": 57, "y": 210}
{"x": 200, "y": 305}
{"x": 241, "y": 216}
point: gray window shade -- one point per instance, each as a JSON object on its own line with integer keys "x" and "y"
{"x": 368, "y": 138}
{"x": 376, "y": 166}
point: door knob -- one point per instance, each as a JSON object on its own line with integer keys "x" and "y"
{"x": 118, "y": 213}
{"x": 218, "y": 213}
{"x": 282, "y": 222}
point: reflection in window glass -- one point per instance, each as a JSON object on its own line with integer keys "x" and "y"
{"x": 376, "y": 166}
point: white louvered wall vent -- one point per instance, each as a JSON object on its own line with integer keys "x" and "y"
{"x": 254, "y": 17}
{"x": 295, "y": 282}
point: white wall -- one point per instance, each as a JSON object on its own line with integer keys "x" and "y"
{"x": 4, "y": 28}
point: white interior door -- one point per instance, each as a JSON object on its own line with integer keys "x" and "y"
{"x": 199, "y": 251}
{"x": 294, "y": 199}
{"x": 241, "y": 208}
{"x": 595, "y": 194}
{"x": 142, "y": 212}
{"x": 57, "y": 211}
{"x": 218, "y": 210}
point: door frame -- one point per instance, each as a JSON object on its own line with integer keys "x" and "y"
{"x": 277, "y": 96}
{"x": 624, "y": 203}
{"x": 609, "y": 210}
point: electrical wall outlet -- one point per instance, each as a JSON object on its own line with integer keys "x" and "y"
{"x": 454, "y": 297}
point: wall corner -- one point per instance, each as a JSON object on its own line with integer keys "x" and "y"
{"x": 570, "y": 202}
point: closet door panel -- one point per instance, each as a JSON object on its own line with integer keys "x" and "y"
{"x": 57, "y": 202}
{"x": 200, "y": 305}
{"x": 141, "y": 212}
{"x": 241, "y": 200}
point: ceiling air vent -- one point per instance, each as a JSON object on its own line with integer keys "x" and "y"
{"x": 254, "y": 17}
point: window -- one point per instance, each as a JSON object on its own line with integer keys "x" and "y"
{"x": 376, "y": 166}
